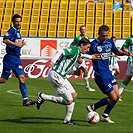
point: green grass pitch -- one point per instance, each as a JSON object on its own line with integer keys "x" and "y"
{"x": 14, "y": 118}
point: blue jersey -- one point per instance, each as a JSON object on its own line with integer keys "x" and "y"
{"x": 13, "y": 35}
{"x": 101, "y": 66}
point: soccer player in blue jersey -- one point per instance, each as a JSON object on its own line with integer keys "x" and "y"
{"x": 11, "y": 61}
{"x": 103, "y": 77}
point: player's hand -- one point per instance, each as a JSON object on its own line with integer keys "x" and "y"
{"x": 129, "y": 53}
{"x": 96, "y": 56}
{"x": 118, "y": 57}
{"x": 51, "y": 64}
{"x": 80, "y": 60}
{"x": 20, "y": 43}
{"x": 24, "y": 43}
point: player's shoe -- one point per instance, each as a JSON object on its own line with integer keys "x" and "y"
{"x": 70, "y": 123}
{"x": 28, "y": 103}
{"x": 90, "y": 89}
{"x": 107, "y": 119}
{"x": 120, "y": 99}
{"x": 90, "y": 108}
{"x": 40, "y": 100}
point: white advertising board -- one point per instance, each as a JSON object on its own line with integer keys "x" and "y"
{"x": 37, "y": 48}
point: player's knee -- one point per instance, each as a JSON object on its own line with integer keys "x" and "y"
{"x": 78, "y": 73}
{"x": 85, "y": 71}
{"x": 69, "y": 102}
{"x": 74, "y": 95}
{"x": 22, "y": 78}
{"x": 114, "y": 99}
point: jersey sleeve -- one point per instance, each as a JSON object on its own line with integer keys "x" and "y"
{"x": 127, "y": 43}
{"x": 74, "y": 42}
{"x": 71, "y": 51}
{"x": 10, "y": 34}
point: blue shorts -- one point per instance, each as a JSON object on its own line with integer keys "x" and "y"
{"x": 11, "y": 64}
{"x": 105, "y": 83}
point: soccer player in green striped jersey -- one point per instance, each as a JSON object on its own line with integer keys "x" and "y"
{"x": 61, "y": 63}
{"x": 114, "y": 66}
{"x": 81, "y": 67}
{"x": 127, "y": 47}
{"x": 82, "y": 35}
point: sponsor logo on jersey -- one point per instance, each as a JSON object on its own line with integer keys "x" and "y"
{"x": 99, "y": 49}
{"x": 18, "y": 35}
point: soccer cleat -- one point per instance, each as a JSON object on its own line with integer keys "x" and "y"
{"x": 120, "y": 99}
{"x": 69, "y": 122}
{"x": 40, "y": 100}
{"x": 89, "y": 108}
{"x": 90, "y": 89}
{"x": 103, "y": 119}
{"x": 29, "y": 102}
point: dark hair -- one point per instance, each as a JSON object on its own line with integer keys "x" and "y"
{"x": 113, "y": 37}
{"x": 15, "y": 16}
{"x": 83, "y": 41}
{"x": 82, "y": 26}
{"x": 103, "y": 28}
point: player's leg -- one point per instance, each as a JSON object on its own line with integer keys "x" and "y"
{"x": 69, "y": 108}
{"x": 102, "y": 83}
{"x": 6, "y": 72}
{"x": 129, "y": 75}
{"x": 116, "y": 69}
{"x": 18, "y": 71}
{"x": 65, "y": 94}
{"x": 84, "y": 68}
{"x": 111, "y": 91}
{"x": 85, "y": 77}
{"x": 113, "y": 97}
{"x": 59, "y": 84}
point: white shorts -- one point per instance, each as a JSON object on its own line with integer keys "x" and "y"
{"x": 114, "y": 66}
{"x": 78, "y": 65}
{"x": 129, "y": 70}
{"x": 62, "y": 86}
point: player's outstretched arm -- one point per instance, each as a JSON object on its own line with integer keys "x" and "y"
{"x": 91, "y": 57}
{"x": 121, "y": 53}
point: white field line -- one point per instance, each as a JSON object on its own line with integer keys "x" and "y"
{"x": 79, "y": 100}
{"x": 15, "y": 93}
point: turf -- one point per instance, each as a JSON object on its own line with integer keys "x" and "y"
{"x": 14, "y": 118}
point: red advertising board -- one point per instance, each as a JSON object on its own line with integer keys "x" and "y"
{"x": 39, "y": 69}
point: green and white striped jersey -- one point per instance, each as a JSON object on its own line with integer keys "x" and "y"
{"x": 78, "y": 38}
{"x": 112, "y": 60}
{"x": 67, "y": 60}
{"x": 129, "y": 45}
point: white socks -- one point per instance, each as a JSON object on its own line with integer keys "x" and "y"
{"x": 122, "y": 87}
{"x": 69, "y": 111}
{"x": 56, "y": 99}
{"x": 86, "y": 82}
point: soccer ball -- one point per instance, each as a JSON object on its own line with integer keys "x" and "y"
{"x": 92, "y": 117}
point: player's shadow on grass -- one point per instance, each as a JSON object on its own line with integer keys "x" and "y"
{"x": 39, "y": 120}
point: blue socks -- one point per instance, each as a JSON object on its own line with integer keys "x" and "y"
{"x": 23, "y": 90}
{"x": 109, "y": 107}
{"x": 101, "y": 103}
